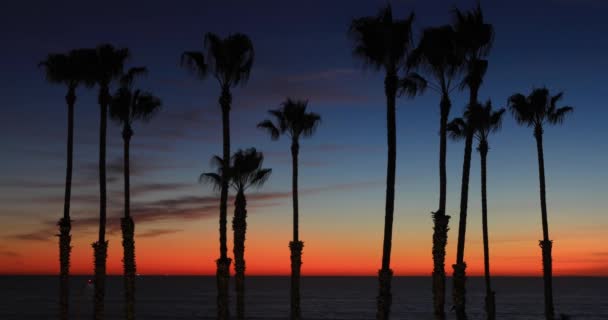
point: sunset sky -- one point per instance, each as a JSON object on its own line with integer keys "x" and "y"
{"x": 302, "y": 51}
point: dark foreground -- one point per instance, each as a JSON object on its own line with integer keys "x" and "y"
{"x": 518, "y": 298}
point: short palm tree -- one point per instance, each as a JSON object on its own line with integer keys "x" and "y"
{"x": 474, "y": 37}
{"x": 293, "y": 120}
{"x": 489, "y": 121}
{"x": 440, "y": 56}
{"x": 384, "y": 44}
{"x": 108, "y": 65}
{"x": 536, "y": 110}
{"x": 229, "y": 60}
{"x": 245, "y": 172}
{"x": 127, "y": 106}
{"x": 67, "y": 69}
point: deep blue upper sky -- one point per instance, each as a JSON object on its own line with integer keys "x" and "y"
{"x": 302, "y": 50}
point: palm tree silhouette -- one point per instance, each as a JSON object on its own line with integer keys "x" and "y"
{"x": 245, "y": 172}
{"x": 383, "y": 43}
{"x": 463, "y": 129}
{"x": 67, "y": 69}
{"x": 489, "y": 121}
{"x": 293, "y": 120}
{"x": 229, "y": 60}
{"x": 108, "y": 66}
{"x": 441, "y": 57}
{"x": 127, "y": 106}
{"x": 537, "y": 110}
{"x": 474, "y": 37}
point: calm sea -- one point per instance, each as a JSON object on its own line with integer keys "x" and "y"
{"x": 35, "y": 297}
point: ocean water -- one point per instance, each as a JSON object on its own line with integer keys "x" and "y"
{"x": 352, "y": 298}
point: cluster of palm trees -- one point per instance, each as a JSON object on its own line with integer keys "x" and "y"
{"x": 449, "y": 57}
{"x": 90, "y": 67}
{"x": 446, "y": 58}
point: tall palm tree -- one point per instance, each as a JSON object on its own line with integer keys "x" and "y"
{"x": 489, "y": 121}
{"x": 293, "y": 120}
{"x": 475, "y": 38}
{"x": 126, "y": 107}
{"x": 536, "y": 110}
{"x": 439, "y": 54}
{"x": 108, "y": 65}
{"x": 66, "y": 69}
{"x": 463, "y": 129}
{"x": 229, "y": 60}
{"x": 384, "y": 43}
{"x": 245, "y": 172}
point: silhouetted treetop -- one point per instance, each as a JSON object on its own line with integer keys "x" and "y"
{"x": 69, "y": 69}
{"x": 291, "y": 119}
{"x": 130, "y": 105}
{"x": 245, "y": 170}
{"x": 439, "y": 54}
{"x": 229, "y": 59}
{"x": 538, "y": 108}
{"x": 381, "y": 41}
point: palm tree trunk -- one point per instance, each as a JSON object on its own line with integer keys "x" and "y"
{"x": 385, "y": 274}
{"x": 459, "y": 277}
{"x": 440, "y": 218}
{"x": 223, "y": 263}
{"x": 296, "y": 245}
{"x": 65, "y": 225}
{"x": 490, "y": 304}
{"x": 128, "y": 230}
{"x": 239, "y": 225}
{"x": 101, "y": 246}
{"x": 545, "y": 244}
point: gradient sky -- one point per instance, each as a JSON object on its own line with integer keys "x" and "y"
{"x": 302, "y": 51}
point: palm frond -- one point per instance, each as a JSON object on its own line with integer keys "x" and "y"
{"x": 120, "y": 106}
{"x": 145, "y": 106}
{"x": 412, "y": 84}
{"x": 126, "y": 80}
{"x": 269, "y": 127}
{"x": 558, "y": 116}
{"x": 310, "y": 123}
{"x": 212, "y": 179}
{"x": 457, "y": 129}
{"x": 195, "y": 62}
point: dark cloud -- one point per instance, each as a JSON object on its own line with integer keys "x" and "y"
{"x": 44, "y": 235}
{"x": 157, "y": 233}
{"x": 184, "y": 208}
{"x": 158, "y": 187}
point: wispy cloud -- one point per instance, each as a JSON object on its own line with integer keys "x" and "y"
{"x": 180, "y": 208}
{"x": 152, "y": 233}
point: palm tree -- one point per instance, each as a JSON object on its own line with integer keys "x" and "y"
{"x": 383, "y": 43}
{"x": 108, "y": 66}
{"x": 439, "y": 54}
{"x": 127, "y": 106}
{"x": 229, "y": 60}
{"x": 474, "y": 37}
{"x": 245, "y": 172}
{"x": 537, "y": 110}
{"x": 489, "y": 121}
{"x": 293, "y": 120}
{"x": 66, "y": 69}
